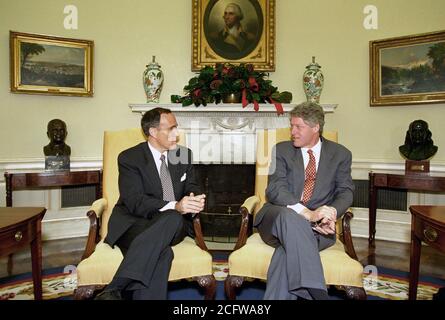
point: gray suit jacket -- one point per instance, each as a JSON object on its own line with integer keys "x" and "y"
{"x": 333, "y": 184}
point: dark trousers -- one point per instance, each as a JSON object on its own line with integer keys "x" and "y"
{"x": 148, "y": 254}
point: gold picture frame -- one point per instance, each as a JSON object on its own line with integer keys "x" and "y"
{"x": 43, "y": 64}
{"x": 253, "y": 42}
{"x": 407, "y": 70}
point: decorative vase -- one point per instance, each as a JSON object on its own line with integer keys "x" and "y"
{"x": 313, "y": 81}
{"x": 153, "y": 79}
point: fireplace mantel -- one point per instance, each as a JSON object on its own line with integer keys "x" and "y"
{"x": 225, "y": 133}
{"x": 227, "y": 116}
{"x": 222, "y": 107}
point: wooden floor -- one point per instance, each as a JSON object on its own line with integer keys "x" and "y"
{"x": 55, "y": 253}
{"x": 388, "y": 254}
{"x": 395, "y": 255}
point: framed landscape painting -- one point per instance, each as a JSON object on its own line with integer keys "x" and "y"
{"x": 233, "y": 31}
{"x": 408, "y": 70}
{"x": 41, "y": 64}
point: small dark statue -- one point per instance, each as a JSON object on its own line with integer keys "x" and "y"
{"x": 418, "y": 143}
{"x": 57, "y": 152}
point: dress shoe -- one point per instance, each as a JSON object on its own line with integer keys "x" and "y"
{"x": 109, "y": 295}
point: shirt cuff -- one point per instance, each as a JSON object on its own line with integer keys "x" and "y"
{"x": 168, "y": 206}
{"x": 298, "y": 207}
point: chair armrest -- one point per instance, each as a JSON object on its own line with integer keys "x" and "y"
{"x": 246, "y": 208}
{"x": 99, "y": 206}
{"x": 250, "y": 203}
{"x": 345, "y": 235}
{"x": 199, "y": 239}
{"x": 94, "y": 214}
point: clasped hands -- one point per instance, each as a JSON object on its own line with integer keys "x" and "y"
{"x": 191, "y": 204}
{"x": 323, "y": 219}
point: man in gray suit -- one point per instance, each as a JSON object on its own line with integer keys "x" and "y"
{"x": 309, "y": 188}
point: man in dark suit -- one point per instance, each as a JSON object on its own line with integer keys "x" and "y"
{"x": 309, "y": 187}
{"x": 158, "y": 196}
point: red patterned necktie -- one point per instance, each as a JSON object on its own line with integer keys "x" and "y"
{"x": 309, "y": 182}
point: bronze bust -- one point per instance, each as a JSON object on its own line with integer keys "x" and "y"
{"x": 57, "y": 133}
{"x": 418, "y": 143}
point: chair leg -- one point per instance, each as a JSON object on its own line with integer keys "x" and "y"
{"x": 231, "y": 283}
{"x": 209, "y": 284}
{"x": 84, "y": 292}
{"x": 355, "y": 293}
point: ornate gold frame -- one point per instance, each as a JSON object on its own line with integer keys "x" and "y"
{"x": 16, "y": 39}
{"x": 375, "y": 67}
{"x": 262, "y": 56}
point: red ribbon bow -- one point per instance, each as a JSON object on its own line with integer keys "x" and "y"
{"x": 278, "y": 106}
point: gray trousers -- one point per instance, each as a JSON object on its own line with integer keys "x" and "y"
{"x": 295, "y": 270}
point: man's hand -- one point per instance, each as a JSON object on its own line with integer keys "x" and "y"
{"x": 191, "y": 204}
{"x": 323, "y": 219}
{"x": 325, "y": 226}
{"x": 320, "y": 213}
{"x": 326, "y": 212}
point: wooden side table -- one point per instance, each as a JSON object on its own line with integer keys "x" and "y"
{"x": 49, "y": 179}
{"x": 21, "y": 226}
{"x": 427, "y": 182}
{"x": 427, "y": 225}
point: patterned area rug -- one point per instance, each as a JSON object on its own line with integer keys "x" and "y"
{"x": 54, "y": 286}
{"x": 393, "y": 285}
{"x": 388, "y": 284}
{"x": 220, "y": 269}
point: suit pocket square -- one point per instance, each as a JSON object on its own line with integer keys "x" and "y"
{"x": 183, "y": 177}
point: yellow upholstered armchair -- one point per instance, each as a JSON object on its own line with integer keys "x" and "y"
{"x": 100, "y": 261}
{"x": 251, "y": 256}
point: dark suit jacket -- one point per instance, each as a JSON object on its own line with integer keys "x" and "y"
{"x": 333, "y": 184}
{"x": 140, "y": 186}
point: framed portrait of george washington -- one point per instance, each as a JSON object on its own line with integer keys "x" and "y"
{"x": 43, "y": 64}
{"x": 234, "y": 31}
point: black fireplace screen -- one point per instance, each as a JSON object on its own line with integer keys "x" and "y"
{"x": 226, "y": 187}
